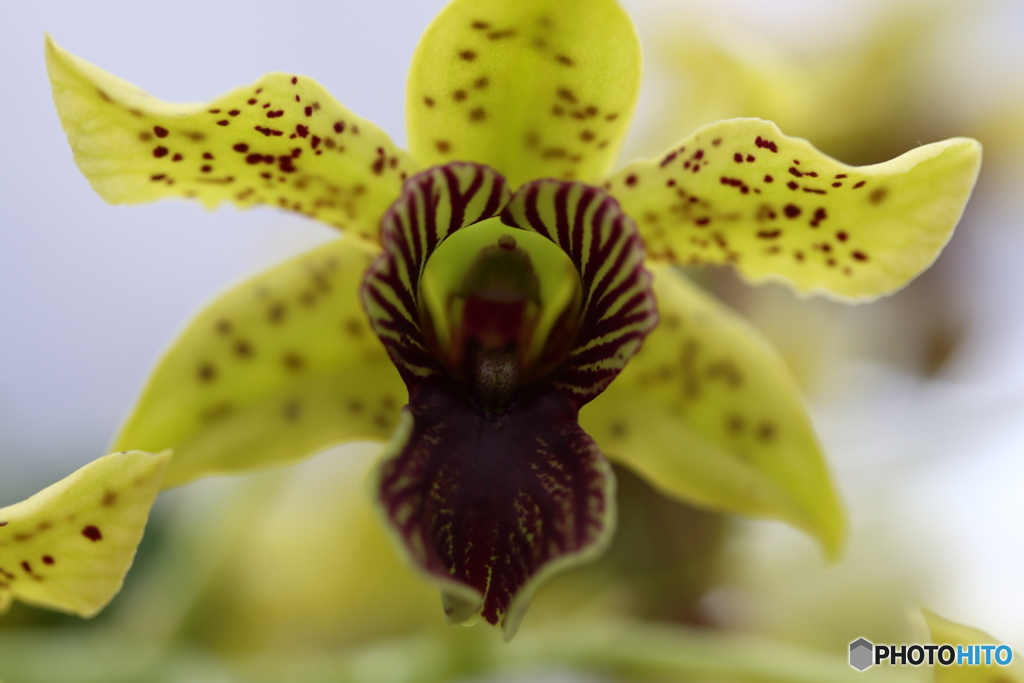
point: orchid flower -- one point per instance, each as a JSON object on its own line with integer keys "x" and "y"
{"x": 494, "y": 279}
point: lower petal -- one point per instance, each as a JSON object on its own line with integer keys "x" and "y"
{"x": 273, "y": 371}
{"x": 490, "y": 506}
{"x": 69, "y": 546}
{"x": 709, "y": 413}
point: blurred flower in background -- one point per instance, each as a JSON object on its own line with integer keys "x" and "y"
{"x": 217, "y": 588}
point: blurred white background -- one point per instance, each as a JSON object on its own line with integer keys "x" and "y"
{"x": 932, "y": 465}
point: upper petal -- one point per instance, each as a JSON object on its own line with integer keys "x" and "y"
{"x": 741, "y": 192}
{"x": 276, "y": 369}
{"x": 533, "y": 89}
{"x": 709, "y": 413}
{"x": 69, "y": 546}
{"x": 282, "y": 141}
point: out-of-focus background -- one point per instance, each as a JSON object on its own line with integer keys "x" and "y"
{"x": 918, "y": 398}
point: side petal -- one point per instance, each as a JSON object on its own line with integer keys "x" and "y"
{"x": 491, "y": 506}
{"x": 741, "y": 192}
{"x": 708, "y": 413}
{"x": 619, "y": 309}
{"x": 534, "y": 91}
{"x": 277, "y": 369}
{"x": 946, "y": 632}
{"x": 69, "y": 546}
{"x": 283, "y": 141}
{"x": 433, "y": 205}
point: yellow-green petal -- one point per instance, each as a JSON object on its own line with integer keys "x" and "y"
{"x": 946, "y": 632}
{"x": 741, "y": 192}
{"x": 69, "y": 546}
{"x": 531, "y": 88}
{"x": 276, "y": 369}
{"x": 709, "y": 414}
{"x": 283, "y": 141}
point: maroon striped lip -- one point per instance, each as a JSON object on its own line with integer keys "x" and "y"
{"x": 490, "y": 485}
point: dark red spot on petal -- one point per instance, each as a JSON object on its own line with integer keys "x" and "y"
{"x": 766, "y": 144}
{"x": 819, "y": 215}
{"x": 92, "y": 533}
{"x": 160, "y": 152}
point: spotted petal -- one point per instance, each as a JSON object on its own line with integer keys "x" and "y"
{"x": 741, "y": 192}
{"x": 534, "y": 90}
{"x": 490, "y": 502}
{"x": 69, "y": 546}
{"x": 282, "y": 141}
{"x": 276, "y": 369}
{"x": 709, "y": 413}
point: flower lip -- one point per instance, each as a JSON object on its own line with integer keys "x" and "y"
{"x": 490, "y": 486}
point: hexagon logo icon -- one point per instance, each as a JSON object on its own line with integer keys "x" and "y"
{"x": 861, "y": 654}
